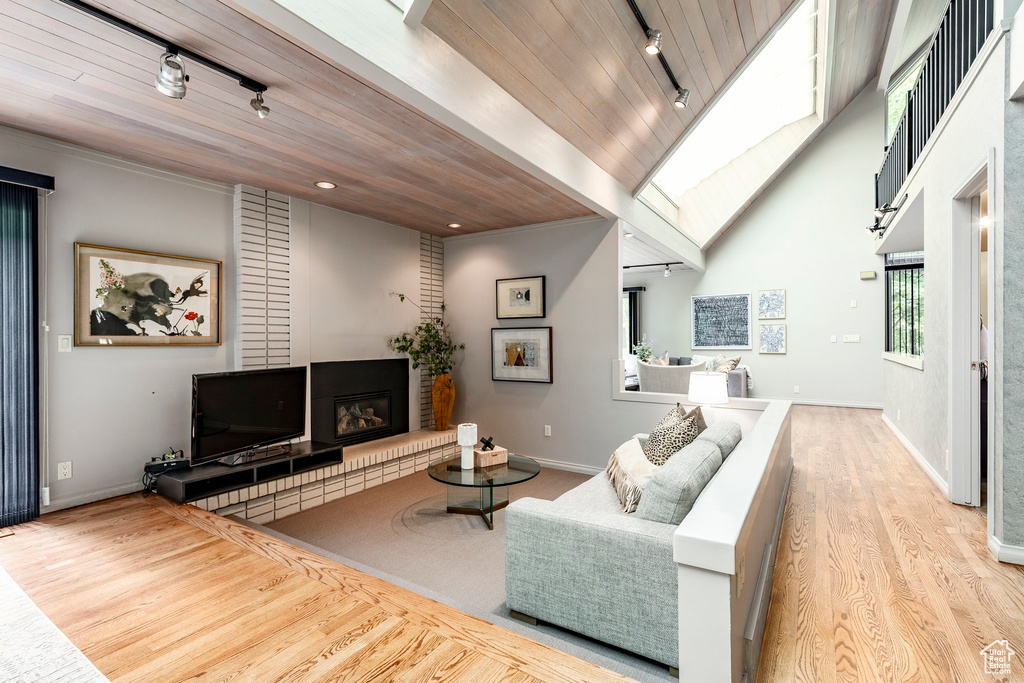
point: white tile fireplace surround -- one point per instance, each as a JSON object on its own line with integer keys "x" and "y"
{"x": 364, "y": 465}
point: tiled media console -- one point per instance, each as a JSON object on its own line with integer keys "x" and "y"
{"x": 363, "y": 466}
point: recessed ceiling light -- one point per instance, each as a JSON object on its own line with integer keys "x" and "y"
{"x": 454, "y": 226}
{"x": 325, "y": 185}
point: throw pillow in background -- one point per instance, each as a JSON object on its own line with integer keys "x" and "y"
{"x": 660, "y": 360}
{"x": 629, "y": 470}
{"x": 674, "y": 432}
{"x": 723, "y": 364}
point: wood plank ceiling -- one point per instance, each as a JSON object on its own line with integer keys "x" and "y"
{"x": 70, "y": 76}
{"x": 580, "y": 66}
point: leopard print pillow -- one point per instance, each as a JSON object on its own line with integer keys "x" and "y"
{"x": 671, "y": 435}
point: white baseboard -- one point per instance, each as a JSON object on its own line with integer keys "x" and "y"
{"x": 569, "y": 466}
{"x": 836, "y": 404}
{"x": 92, "y": 497}
{"x": 1012, "y": 554}
{"x": 925, "y": 465}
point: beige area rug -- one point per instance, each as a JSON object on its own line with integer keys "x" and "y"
{"x": 32, "y": 648}
{"x": 400, "y": 532}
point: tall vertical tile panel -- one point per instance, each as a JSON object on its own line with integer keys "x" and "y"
{"x": 263, "y": 300}
{"x": 431, "y": 298}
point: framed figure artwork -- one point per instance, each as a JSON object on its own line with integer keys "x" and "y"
{"x": 521, "y": 354}
{"x": 519, "y": 297}
{"x": 125, "y": 297}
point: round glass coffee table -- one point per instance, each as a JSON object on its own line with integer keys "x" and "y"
{"x": 482, "y": 490}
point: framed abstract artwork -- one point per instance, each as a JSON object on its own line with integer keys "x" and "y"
{"x": 771, "y": 304}
{"x": 521, "y": 354}
{"x": 721, "y": 321}
{"x": 772, "y": 338}
{"x": 519, "y": 297}
{"x": 140, "y": 298}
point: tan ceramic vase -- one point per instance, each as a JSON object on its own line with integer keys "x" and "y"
{"x": 443, "y": 395}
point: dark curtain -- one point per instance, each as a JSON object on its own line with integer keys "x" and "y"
{"x": 19, "y": 408}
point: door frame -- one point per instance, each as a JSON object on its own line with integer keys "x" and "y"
{"x": 964, "y": 397}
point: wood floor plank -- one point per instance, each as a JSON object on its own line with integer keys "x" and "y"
{"x": 878, "y": 576}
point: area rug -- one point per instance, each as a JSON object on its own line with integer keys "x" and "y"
{"x": 32, "y": 648}
{"x": 400, "y": 532}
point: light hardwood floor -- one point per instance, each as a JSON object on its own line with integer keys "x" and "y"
{"x": 878, "y": 576}
{"x": 152, "y": 591}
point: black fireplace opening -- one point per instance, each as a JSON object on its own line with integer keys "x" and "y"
{"x": 357, "y": 401}
{"x": 362, "y": 417}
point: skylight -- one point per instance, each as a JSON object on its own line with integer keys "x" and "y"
{"x": 776, "y": 89}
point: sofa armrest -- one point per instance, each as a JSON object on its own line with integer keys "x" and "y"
{"x": 737, "y": 383}
{"x": 595, "y": 572}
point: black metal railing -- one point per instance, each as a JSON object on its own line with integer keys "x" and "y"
{"x": 958, "y": 40}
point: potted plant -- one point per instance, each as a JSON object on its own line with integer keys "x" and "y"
{"x": 643, "y": 350}
{"x": 430, "y": 345}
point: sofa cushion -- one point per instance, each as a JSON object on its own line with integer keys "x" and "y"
{"x": 629, "y": 470}
{"x": 674, "y": 487}
{"x": 673, "y": 433}
{"x": 724, "y": 434}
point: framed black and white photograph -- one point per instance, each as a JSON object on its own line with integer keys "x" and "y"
{"x": 521, "y": 354}
{"x": 519, "y": 297}
{"x": 720, "y": 321}
{"x": 772, "y": 338}
{"x": 141, "y": 298}
{"x": 771, "y": 304}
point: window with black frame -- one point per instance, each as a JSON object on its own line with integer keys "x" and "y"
{"x": 904, "y": 310}
{"x": 630, "y": 318}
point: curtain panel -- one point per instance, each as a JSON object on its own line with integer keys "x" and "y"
{"x": 19, "y": 366}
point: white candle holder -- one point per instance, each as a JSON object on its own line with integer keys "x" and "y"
{"x": 467, "y": 439}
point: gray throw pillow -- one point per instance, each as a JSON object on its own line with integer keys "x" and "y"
{"x": 673, "y": 489}
{"x": 725, "y": 435}
{"x": 685, "y": 360}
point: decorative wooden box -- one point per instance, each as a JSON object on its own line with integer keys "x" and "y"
{"x": 495, "y": 456}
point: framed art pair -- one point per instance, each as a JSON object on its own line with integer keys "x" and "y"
{"x": 521, "y": 354}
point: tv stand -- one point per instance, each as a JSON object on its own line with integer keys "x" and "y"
{"x": 203, "y": 481}
{"x": 254, "y": 454}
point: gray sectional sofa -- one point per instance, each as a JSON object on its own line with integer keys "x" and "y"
{"x": 581, "y": 563}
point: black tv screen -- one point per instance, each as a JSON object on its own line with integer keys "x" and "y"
{"x": 233, "y": 412}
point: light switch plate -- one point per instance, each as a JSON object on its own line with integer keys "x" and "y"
{"x": 851, "y": 338}
{"x": 64, "y": 343}
{"x": 853, "y": 303}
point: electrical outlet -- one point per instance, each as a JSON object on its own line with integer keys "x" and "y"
{"x": 851, "y": 339}
{"x": 796, "y": 389}
{"x": 897, "y": 414}
{"x": 547, "y": 430}
{"x": 832, "y": 339}
{"x": 64, "y": 470}
{"x": 64, "y": 343}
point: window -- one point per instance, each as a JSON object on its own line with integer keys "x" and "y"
{"x": 904, "y": 310}
{"x": 896, "y": 97}
{"x": 630, "y": 318}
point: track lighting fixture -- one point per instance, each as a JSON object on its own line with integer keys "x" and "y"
{"x": 667, "y": 270}
{"x": 882, "y": 210}
{"x": 628, "y": 235}
{"x": 171, "y": 79}
{"x": 682, "y": 99}
{"x": 884, "y": 216}
{"x": 257, "y": 104}
{"x": 653, "y": 46}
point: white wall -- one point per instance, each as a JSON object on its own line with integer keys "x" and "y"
{"x": 111, "y": 409}
{"x": 581, "y": 261}
{"x": 805, "y": 235}
{"x": 346, "y": 265}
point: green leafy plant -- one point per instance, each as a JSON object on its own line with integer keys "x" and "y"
{"x": 643, "y": 350}
{"x": 429, "y": 344}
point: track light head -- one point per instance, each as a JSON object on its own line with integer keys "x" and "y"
{"x": 682, "y": 99}
{"x": 257, "y": 104}
{"x": 171, "y": 79}
{"x": 653, "y": 45}
{"x": 668, "y": 271}
{"x": 883, "y": 209}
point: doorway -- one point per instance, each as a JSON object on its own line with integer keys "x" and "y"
{"x": 970, "y": 372}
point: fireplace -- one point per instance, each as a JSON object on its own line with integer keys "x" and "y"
{"x": 362, "y": 417}
{"x": 356, "y": 401}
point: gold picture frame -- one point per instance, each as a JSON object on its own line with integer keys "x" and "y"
{"x": 126, "y": 297}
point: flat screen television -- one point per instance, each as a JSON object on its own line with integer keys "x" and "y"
{"x": 238, "y": 412}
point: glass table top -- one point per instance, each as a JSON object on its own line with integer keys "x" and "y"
{"x": 518, "y": 469}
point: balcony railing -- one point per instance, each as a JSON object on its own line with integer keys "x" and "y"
{"x": 964, "y": 28}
